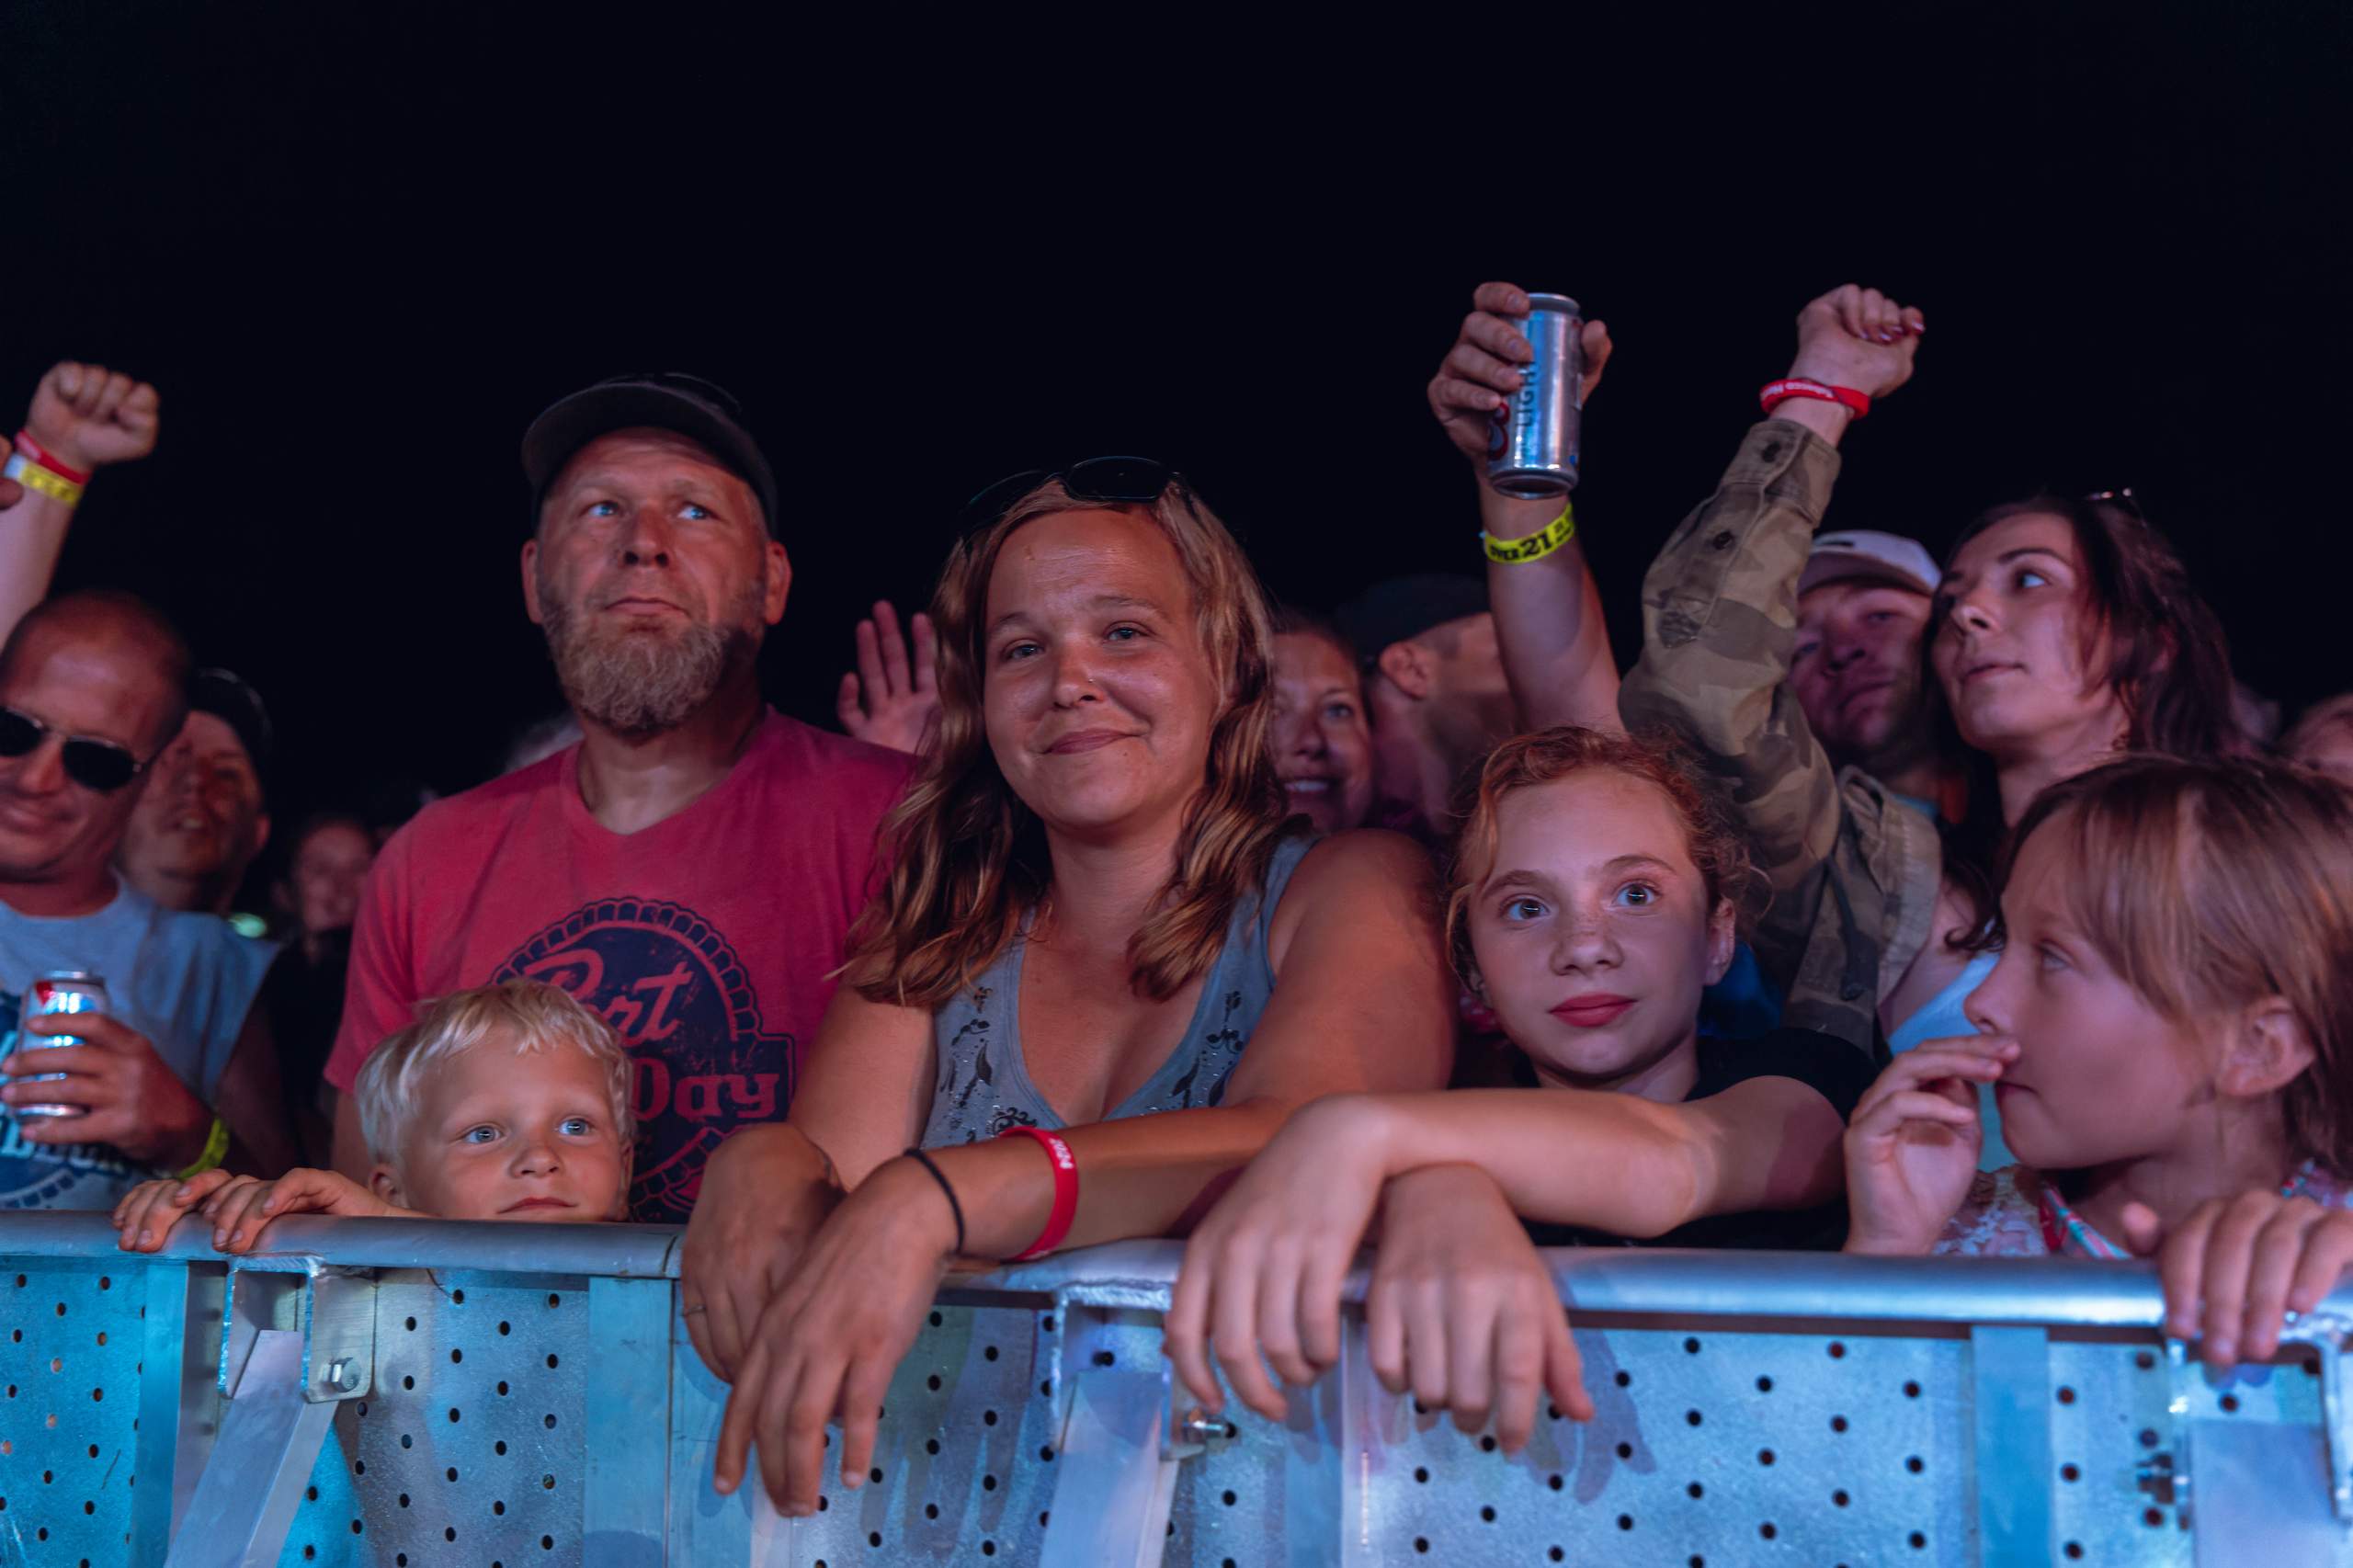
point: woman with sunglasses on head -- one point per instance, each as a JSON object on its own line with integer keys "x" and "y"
{"x": 1102, "y": 973}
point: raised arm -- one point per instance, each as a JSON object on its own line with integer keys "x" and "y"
{"x": 1361, "y": 1002}
{"x": 1548, "y": 611}
{"x": 84, "y": 417}
{"x": 1720, "y": 620}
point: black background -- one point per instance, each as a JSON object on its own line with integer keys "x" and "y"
{"x": 357, "y": 248}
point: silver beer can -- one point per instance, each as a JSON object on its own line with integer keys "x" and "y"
{"x": 58, "y": 991}
{"x": 1532, "y": 446}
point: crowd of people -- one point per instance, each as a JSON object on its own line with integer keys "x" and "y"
{"x": 1885, "y": 904}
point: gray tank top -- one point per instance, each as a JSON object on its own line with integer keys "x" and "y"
{"x": 983, "y": 1088}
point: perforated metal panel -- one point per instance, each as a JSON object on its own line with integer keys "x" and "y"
{"x": 468, "y": 1451}
{"x": 72, "y": 1335}
{"x": 1801, "y": 1438}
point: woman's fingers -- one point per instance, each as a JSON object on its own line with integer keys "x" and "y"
{"x": 792, "y": 1441}
{"x": 696, "y": 1316}
{"x": 1183, "y": 1334}
{"x": 736, "y": 1425}
{"x": 863, "y": 1391}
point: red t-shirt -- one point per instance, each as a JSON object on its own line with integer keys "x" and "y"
{"x": 706, "y": 939}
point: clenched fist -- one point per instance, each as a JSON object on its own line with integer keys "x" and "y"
{"x": 1857, "y": 337}
{"x": 90, "y": 417}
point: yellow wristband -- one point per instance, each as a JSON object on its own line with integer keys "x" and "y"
{"x": 32, "y": 476}
{"x": 216, "y": 1149}
{"x": 1536, "y": 546}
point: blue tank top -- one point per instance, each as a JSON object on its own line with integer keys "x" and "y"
{"x": 983, "y": 1087}
{"x": 1944, "y": 1016}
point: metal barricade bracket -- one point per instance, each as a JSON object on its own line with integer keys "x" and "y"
{"x": 339, "y": 1335}
{"x": 1120, "y": 1448}
{"x": 2325, "y": 1333}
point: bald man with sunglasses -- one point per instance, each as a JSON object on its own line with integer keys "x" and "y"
{"x": 176, "y": 1074}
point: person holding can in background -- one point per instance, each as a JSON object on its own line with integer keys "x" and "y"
{"x": 176, "y": 1073}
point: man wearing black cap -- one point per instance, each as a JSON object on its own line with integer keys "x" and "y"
{"x": 205, "y": 814}
{"x": 690, "y": 868}
{"x": 1435, "y": 683}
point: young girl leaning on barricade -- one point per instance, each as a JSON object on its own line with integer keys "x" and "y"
{"x": 2168, "y": 1035}
{"x": 505, "y": 1102}
{"x": 1591, "y": 899}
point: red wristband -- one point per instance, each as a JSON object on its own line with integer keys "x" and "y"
{"x": 48, "y": 459}
{"x": 1065, "y": 1207}
{"x": 1780, "y": 392}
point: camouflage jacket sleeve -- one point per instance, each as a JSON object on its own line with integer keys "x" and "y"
{"x": 1843, "y": 864}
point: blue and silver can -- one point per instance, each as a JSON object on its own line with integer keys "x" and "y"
{"x": 1532, "y": 447}
{"x": 58, "y": 991}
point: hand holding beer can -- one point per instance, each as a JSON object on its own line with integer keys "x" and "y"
{"x": 1532, "y": 446}
{"x": 58, "y": 991}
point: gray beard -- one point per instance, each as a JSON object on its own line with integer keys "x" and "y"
{"x": 640, "y": 684}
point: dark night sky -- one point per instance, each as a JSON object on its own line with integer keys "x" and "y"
{"x": 357, "y": 248}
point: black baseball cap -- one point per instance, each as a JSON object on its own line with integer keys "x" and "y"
{"x": 1404, "y": 608}
{"x": 225, "y": 695}
{"x": 667, "y": 400}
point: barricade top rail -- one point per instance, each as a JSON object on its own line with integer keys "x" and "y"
{"x": 1137, "y": 1274}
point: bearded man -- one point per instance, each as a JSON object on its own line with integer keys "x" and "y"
{"x": 691, "y": 868}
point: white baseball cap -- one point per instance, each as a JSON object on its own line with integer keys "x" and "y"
{"x": 1860, "y": 552}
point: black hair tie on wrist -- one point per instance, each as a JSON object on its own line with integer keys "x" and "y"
{"x": 953, "y": 1207}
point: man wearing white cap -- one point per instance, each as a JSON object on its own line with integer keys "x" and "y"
{"x": 1863, "y": 607}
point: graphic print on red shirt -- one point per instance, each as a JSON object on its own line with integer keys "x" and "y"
{"x": 706, "y": 939}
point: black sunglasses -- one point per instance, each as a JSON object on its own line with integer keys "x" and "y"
{"x": 1136, "y": 481}
{"x": 93, "y": 763}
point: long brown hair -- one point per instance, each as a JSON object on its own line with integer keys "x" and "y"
{"x": 2167, "y": 661}
{"x": 1547, "y": 756}
{"x": 969, "y": 860}
{"x": 2211, "y": 884}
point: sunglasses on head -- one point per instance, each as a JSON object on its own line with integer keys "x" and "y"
{"x": 93, "y": 763}
{"x": 1135, "y": 481}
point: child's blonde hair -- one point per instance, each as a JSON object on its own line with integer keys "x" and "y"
{"x": 2211, "y": 885}
{"x": 534, "y": 1016}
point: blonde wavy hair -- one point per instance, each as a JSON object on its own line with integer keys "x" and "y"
{"x": 968, "y": 859}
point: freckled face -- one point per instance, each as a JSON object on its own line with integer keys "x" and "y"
{"x": 1099, "y": 696}
{"x": 1593, "y": 931}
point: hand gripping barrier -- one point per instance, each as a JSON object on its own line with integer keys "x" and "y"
{"x": 411, "y": 1393}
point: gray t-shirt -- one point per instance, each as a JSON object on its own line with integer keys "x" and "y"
{"x": 983, "y": 1088}
{"x": 183, "y": 980}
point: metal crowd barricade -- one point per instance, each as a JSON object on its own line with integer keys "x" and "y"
{"x": 399, "y": 1394}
